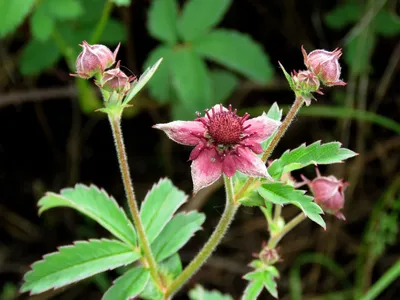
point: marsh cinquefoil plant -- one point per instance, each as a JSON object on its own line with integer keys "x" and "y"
{"x": 225, "y": 144}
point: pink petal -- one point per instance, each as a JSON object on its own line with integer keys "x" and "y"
{"x": 324, "y": 188}
{"x": 250, "y": 164}
{"x": 183, "y": 132}
{"x": 229, "y": 166}
{"x": 254, "y": 146}
{"x": 206, "y": 169}
{"x": 261, "y": 128}
{"x": 197, "y": 150}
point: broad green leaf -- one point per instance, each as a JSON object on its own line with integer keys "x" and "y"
{"x": 38, "y": 56}
{"x": 274, "y": 112}
{"x": 76, "y": 262}
{"x": 160, "y": 85}
{"x": 65, "y": 9}
{"x": 236, "y": 51}
{"x": 199, "y": 293}
{"x": 160, "y": 204}
{"x": 139, "y": 84}
{"x": 96, "y": 204}
{"x": 13, "y": 13}
{"x": 190, "y": 79}
{"x": 343, "y": 15}
{"x": 161, "y": 23}
{"x": 253, "y": 290}
{"x": 176, "y": 234}
{"x": 121, "y": 2}
{"x": 224, "y": 84}
{"x": 199, "y": 16}
{"x": 251, "y": 199}
{"x": 386, "y": 24}
{"x": 281, "y": 194}
{"x": 128, "y": 285}
{"x": 41, "y": 23}
{"x": 303, "y": 156}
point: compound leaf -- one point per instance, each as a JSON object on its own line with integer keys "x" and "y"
{"x": 162, "y": 20}
{"x": 13, "y": 13}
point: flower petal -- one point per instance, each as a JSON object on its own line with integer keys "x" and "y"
{"x": 183, "y": 132}
{"x": 250, "y": 164}
{"x": 260, "y": 128}
{"x": 229, "y": 166}
{"x": 206, "y": 169}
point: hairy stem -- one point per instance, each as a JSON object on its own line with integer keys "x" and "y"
{"x": 115, "y": 121}
{"x": 274, "y": 240}
{"x": 214, "y": 240}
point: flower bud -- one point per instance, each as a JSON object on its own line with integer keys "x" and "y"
{"x": 269, "y": 256}
{"x": 94, "y": 59}
{"x": 306, "y": 82}
{"x": 116, "y": 80}
{"x": 325, "y": 65}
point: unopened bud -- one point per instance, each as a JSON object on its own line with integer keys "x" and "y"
{"x": 116, "y": 80}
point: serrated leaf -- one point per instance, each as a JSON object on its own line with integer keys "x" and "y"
{"x": 65, "y": 9}
{"x": 251, "y": 199}
{"x": 303, "y": 156}
{"x": 96, "y": 204}
{"x": 176, "y": 234}
{"x": 289, "y": 78}
{"x": 274, "y": 112}
{"x": 236, "y": 51}
{"x": 160, "y": 85}
{"x": 13, "y": 13}
{"x": 266, "y": 276}
{"x": 76, "y": 262}
{"x": 161, "y": 23}
{"x": 281, "y": 194}
{"x": 38, "y": 56}
{"x": 386, "y": 24}
{"x": 199, "y": 16}
{"x": 199, "y": 293}
{"x": 343, "y": 15}
{"x": 137, "y": 85}
{"x": 253, "y": 290}
{"x": 128, "y": 285}
{"x": 224, "y": 84}
{"x": 160, "y": 204}
{"x": 41, "y": 24}
{"x": 190, "y": 79}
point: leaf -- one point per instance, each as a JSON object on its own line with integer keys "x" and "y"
{"x": 386, "y": 24}
{"x": 139, "y": 84}
{"x": 162, "y": 20}
{"x": 65, "y": 9}
{"x": 199, "y": 16}
{"x": 343, "y": 15}
{"x": 266, "y": 276}
{"x": 122, "y": 2}
{"x": 303, "y": 156}
{"x": 236, "y": 51}
{"x": 176, "y": 234}
{"x": 160, "y": 85}
{"x": 253, "y": 290}
{"x": 359, "y": 53}
{"x": 224, "y": 84}
{"x": 41, "y": 23}
{"x": 274, "y": 112}
{"x": 129, "y": 285}
{"x": 158, "y": 207}
{"x": 13, "y": 13}
{"x": 76, "y": 262}
{"x": 38, "y": 56}
{"x": 96, "y": 204}
{"x": 190, "y": 79}
{"x": 281, "y": 194}
{"x": 199, "y": 293}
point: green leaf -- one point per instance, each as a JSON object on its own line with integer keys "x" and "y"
{"x": 386, "y": 24}
{"x": 199, "y": 16}
{"x": 266, "y": 276}
{"x": 41, "y": 23}
{"x": 224, "y": 84}
{"x": 236, "y": 51}
{"x": 158, "y": 207}
{"x": 190, "y": 79}
{"x": 139, "y": 84}
{"x": 96, "y": 204}
{"x": 160, "y": 85}
{"x": 162, "y": 20}
{"x": 343, "y": 15}
{"x": 288, "y": 78}
{"x": 199, "y": 293}
{"x": 13, "y": 13}
{"x": 65, "y": 9}
{"x": 303, "y": 156}
{"x": 122, "y": 2}
{"x": 38, "y": 56}
{"x": 281, "y": 194}
{"x": 251, "y": 199}
{"x": 129, "y": 285}
{"x": 76, "y": 262}
{"x": 253, "y": 290}
{"x": 176, "y": 234}
{"x": 274, "y": 112}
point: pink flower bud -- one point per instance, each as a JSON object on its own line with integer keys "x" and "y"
{"x": 328, "y": 193}
{"x": 306, "y": 82}
{"x": 116, "y": 80}
{"x": 94, "y": 59}
{"x": 325, "y": 65}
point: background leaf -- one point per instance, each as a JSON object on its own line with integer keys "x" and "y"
{"x": 41, "y": 23}
{"x": 199, "y": 293}
{"x": 161, "y": 23}
{"x": 96, "y": 204}
{"x": 160, "y": 204}
{"x": 76, "y": 262}
{"x": 13, "y": 13}
{"x": 343, "y": 15}
{"x": 386, "y": 24}
{"x": 224, "y": 84}
{"x": 199, "y": 16}
{"x": 236, "y": 51}
{"x": 122, "y": 2}
{"x": 65, "y": 9}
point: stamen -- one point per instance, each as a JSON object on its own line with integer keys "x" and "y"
{"x": 221, "y": 107}
{"x": 244, "y": 118}
{"x": 230, "y": 107}
{"x": 208, "y": 115}
{"x": 247, "y": 126}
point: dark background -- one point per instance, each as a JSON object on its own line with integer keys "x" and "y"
{"x": 47, "y": 143}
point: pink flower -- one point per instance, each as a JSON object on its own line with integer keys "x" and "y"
{"x": 116, "y": 80}
{"x": 223, "y": 143}
{"x": 325, "y": 65}
{"x": 328, "y": 193}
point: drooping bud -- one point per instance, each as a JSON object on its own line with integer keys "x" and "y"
{"x": 94, "y": 59}
{"x": 116, "y": 80}
{"x": 325, "y": 65}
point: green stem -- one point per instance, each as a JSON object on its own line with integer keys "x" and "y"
{"x": 214, "y": 240}
{"x": 115, "y": 121}
{"x": 277, "y": 212}
{"x": 274, "y": 240}
{"x": 105, "y": 15}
